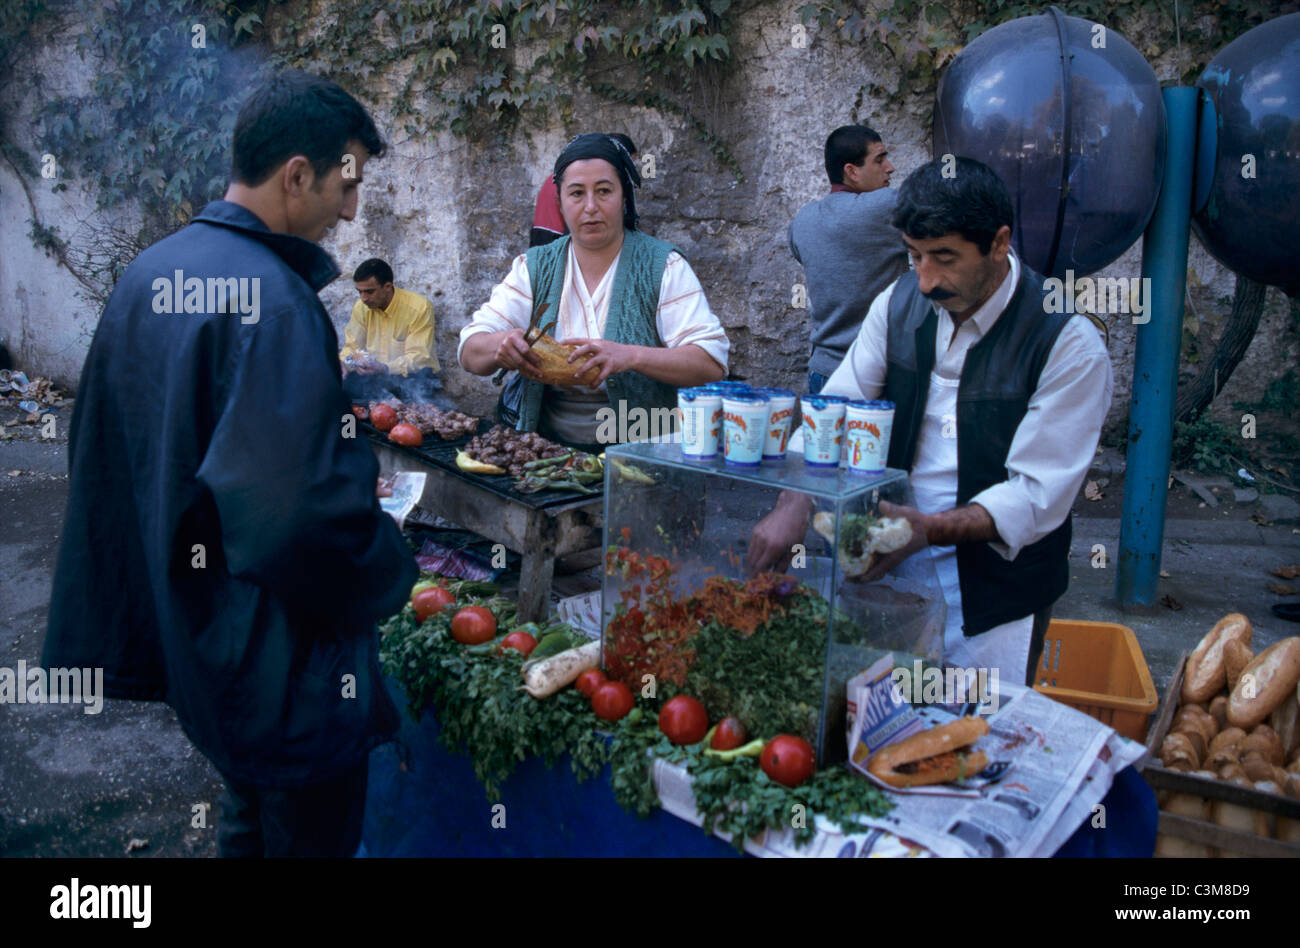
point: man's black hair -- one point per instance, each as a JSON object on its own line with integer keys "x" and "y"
{"x": 971, "y": 200}
{"x": 374, "y": 267}
{"x": 296, "y": 113}
{"x": 625, "y": 141}
{"x": 847, "y": 145}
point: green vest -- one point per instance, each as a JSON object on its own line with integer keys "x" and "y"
{"x": 633, "y": 308}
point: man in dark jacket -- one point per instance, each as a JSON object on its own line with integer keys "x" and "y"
{"x": 223, "y": 549}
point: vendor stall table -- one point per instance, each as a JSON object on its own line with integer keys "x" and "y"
{"x": 425, "y": 801}
{"x": 539, "y": 527}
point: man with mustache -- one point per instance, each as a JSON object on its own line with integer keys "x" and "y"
{"x": 999, "y": 407}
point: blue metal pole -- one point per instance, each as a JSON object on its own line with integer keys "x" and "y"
{"x": 1155, "y": 361}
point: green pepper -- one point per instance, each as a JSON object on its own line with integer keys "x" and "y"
{"x": 542, "y": 463}
{"x": 552, "y": 643}
{"x": 752, "y": 749}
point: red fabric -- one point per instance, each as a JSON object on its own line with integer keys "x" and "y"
{"x": 546, "y": 214}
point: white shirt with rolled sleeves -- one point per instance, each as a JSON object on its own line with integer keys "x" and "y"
{"x": 683, "y": 317}
{"x": 1049, "y": 457}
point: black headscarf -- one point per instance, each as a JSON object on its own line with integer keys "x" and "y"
{"x": 594, "y": 145}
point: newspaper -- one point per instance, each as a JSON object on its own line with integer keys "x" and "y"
{"x": 582, "y": 612}
{"x": 408, "y": 488}
{"x": 1063, "y": 764}
{"x": 1059, "y": 764}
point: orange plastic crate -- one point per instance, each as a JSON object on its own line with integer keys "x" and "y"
{"x": 1098, "y": 668}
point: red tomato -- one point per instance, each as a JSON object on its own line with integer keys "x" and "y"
{"x": 612, "y": 700}
{"x": 729, "y": 735}
{"x": 474, "y": 625}
{"x": 408, "y": 435}
{"x": 431, "y": 601}
{"x": 521, "y": 642}
{"x": 360, "y": 412}
{"x": 788, "y": 759}
{"x": 383, "y": 417}
{"x": 684, "y": 720}
{"x": 590, "y": 680}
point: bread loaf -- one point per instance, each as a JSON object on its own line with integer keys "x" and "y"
{"x": 1178, "y": 747}
{"x": 1184, "y": 804}
{"x": 1205, "y": 674}
{"x": 1265, "y": 739}
{"x": 1285, "y": 720}
{"x": 555, "y": 368}
{"x": 1226, "y": 737}
{"x": 1232, "y": 771}
{"x": 1236, "y": 656}
{"x": 1219, "y": 711}
{"x": 1265, "y": 683}
{"x": 1245, "y": 819}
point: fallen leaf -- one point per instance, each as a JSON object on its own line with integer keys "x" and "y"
{"x": 135, "y": 844}
{"x": 1169, "y": 602}
{"x": 1258, "y": 518}
{"x": 1164, "y": 574}
{"x": 1281, "y": 589}
{"x": 1287, "y": 572}
{"x": 1091, "y": 491}
{"x": 14, "y": 473}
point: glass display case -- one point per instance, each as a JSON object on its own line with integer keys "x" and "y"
{"x": 682, "y": 614}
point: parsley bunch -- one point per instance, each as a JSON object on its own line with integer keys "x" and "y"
{"x": 480, "y": 704}
{"x": 771, "y": 680}
{"x": 735, "y": 796}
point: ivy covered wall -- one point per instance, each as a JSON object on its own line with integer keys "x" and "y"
{"x": 130, "y": 104}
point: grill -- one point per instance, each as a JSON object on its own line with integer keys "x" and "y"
{"x": 442, "y": 454}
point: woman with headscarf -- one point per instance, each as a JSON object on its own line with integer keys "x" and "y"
{"x": 630, "y": 302}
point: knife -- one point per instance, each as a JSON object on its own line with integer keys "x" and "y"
{"x": 531, "y": 335}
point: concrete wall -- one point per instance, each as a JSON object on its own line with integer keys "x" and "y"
{"x": 450, "y": 214}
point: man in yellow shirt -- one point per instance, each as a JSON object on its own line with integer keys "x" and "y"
{"x": 390, "y": 332}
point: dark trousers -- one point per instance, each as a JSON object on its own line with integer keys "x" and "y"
{"x": 320, "y": 820}
{"x": 1041, "y": 621}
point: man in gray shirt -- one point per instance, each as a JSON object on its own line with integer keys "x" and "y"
{"x": 849, "y": 249}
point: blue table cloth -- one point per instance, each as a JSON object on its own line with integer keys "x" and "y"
{"x": 425, "y": 801}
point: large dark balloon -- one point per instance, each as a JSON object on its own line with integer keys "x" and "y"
{"x": 1083, "y": 168}
{"x": 1252, "y": 224}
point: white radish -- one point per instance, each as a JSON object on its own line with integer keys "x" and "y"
{"x": 550, "y": 675}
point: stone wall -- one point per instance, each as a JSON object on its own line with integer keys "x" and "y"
{"x": 450, "y": 214}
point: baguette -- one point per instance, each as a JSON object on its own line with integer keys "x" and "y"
{"x": 940, "y": 755}
{"x": 1206, "y": 675}
{"x": 1266, "y": 682}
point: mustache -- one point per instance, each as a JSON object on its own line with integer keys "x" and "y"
{"x": 938, "y": 294}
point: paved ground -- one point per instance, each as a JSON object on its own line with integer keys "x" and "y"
{"x": 87, "y": 785}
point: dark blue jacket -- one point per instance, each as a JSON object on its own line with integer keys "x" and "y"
{"x": 223, "y": 549}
